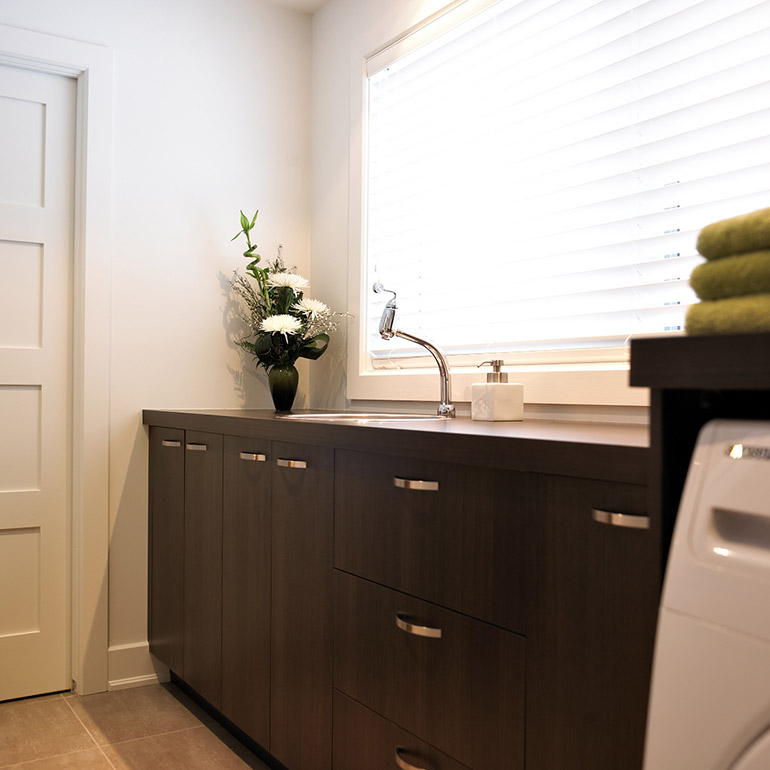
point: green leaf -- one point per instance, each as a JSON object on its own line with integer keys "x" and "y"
{"x": 262, "y": 345}
{"x": 311, "y": 349}
{"x": 254, "y": 220}
{"x": 244, "y": 223}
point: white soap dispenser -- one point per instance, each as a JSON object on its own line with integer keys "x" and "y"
{"x": 497, "y": 399}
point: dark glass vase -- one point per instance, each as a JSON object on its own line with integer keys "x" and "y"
{"x": 283, "y": 386}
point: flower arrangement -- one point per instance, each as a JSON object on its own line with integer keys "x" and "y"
{"x": 285, "y": 325}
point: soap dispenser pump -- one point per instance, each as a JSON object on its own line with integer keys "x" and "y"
{"x": 497, "y": 399}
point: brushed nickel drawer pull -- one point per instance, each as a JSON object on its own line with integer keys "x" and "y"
{"x": 169, "y": 443}
{"x": 405, "y": 624}
{"x": 425, "y": 486}
{"x": 283, "y": 463}
{"x": 196, "y": 447}
{"x": 630, "y": 521}
{"x": 253, "y": 457}
{"x": 403, "y": 764}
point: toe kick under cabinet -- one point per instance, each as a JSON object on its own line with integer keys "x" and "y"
{"x": 371, "y": 599}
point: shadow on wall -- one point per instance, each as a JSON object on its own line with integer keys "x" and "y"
{"x": 250, "y": 380}
{"x": 329, "y": 373}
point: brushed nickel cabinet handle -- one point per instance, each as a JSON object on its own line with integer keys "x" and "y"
{"x": 253, "y": 457}
{"x": 284, "y": 463}
{"x": 403, "y": 764}
{"x": 196, "y": 447}
{"x": 167, "y": 442}
{"x": 404, "y": 622}
{"x": 425, "y": 486}
{"x": 630, "y": 521}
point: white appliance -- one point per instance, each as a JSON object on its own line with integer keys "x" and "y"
{"x": 710, "y": 696}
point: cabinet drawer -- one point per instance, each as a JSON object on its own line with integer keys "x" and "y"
{"x": 452, "y": 534}
{"x": 364, "y": 740}
{"x": 462, "y": 691}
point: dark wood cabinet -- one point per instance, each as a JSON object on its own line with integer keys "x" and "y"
{"x": 301, "y": 702}
{"x": 594, "y": 598}
{"x": 246, "y": 547}
{"x": 298, "y": 585}
{"x": 203, "y": 564}
{"x": 185, "y": 556}
{"x": 455, "y": 682}
{"x": 166, "y": 547}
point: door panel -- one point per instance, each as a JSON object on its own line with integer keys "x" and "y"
{"x": 301, "y": 648}
{"x": 203, "y": 564}
{"x": 37, "y": 139}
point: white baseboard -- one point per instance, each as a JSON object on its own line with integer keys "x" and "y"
{"x": 132, "y": 665}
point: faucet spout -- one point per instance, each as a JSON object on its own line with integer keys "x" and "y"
{"x": 446, "y": 407}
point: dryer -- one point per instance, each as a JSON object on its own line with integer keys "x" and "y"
{"x": 710, "y": 694}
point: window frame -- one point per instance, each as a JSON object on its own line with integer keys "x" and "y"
{"x": 580, "y": 384}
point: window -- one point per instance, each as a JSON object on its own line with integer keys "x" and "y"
{"x": 536, "y": 173}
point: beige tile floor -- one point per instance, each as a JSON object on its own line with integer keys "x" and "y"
{"x": 146, "y": 728}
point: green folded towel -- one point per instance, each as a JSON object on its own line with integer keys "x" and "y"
{"x": 733, "y": 276}
{"x": 738, "y": 235}
{"x": 730, "y": 316}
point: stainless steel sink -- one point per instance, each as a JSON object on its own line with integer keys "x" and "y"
{"x": 359, "y": 418}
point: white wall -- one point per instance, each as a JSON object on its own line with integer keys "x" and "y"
{"x": 336, "y": 28}
{"x": 211, "y": 114}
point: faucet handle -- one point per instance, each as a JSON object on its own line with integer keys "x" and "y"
{"x": 378, "y": 288}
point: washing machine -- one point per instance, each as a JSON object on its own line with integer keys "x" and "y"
{"x": 710, "y": 694}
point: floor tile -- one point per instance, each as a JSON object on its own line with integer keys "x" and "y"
{"x": 34, "y": 729}
{"x": 92, "y": 759}
{"x": 200, "y": 748}
{"x": 124, "y": 715}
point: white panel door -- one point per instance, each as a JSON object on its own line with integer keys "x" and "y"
{"x": 37, "y": 144}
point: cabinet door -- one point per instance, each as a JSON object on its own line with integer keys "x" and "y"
{"x": 594, "y": 607}
{"x": 203, "y": 564}
{"x": 300, "y": 731}
{"x": 455, "y": 682}
{"x": 246, "y": 586}
{"x": 166, "y": 547}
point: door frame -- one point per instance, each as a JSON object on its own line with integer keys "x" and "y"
{"x": 92, "y": 67}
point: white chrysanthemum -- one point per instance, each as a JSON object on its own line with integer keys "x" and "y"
{"x": 292, "y": 280}
{"x": 285, "y": 324}
{"x": 311, "y": 306}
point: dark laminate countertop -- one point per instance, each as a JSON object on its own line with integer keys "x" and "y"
{"x": 613, "y": 452}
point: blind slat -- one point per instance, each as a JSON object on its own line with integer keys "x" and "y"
{"x": 539, "y": 173}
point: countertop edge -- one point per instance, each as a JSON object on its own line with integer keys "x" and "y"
{"x": 584, "y": 450}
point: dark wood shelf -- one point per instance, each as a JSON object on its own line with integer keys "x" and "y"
{"x": 709, "y": 362}
{"x": 693, "y": 380}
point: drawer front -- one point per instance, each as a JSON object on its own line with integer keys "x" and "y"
{"x": 364, "y": 740}
{"x": 455, "y": 682}
{"x": 452, "y": 534}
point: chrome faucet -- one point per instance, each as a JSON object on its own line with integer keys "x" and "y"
{"x": 445, "y": 408}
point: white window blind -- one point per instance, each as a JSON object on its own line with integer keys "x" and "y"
{"x": 536, "y": 175}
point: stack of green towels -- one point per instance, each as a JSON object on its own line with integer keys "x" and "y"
{"x": 734, "y": 283}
